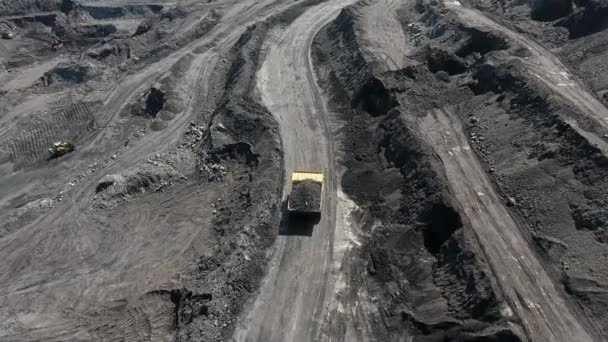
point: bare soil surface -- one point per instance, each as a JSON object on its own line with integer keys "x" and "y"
{"x": 455, "y": 56}
{"x": 464, "y": 146}
{"x": 172, "y": 182}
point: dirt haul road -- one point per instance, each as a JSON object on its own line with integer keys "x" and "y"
{"x": 386, "y": 45}
{"x": 530, "y": 292}
{"x": 75, "y": 255}
{"x": 542, "y": 64}
{"x": 290, "y": 305}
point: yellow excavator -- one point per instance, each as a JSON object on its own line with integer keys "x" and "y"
{"x": 60, "y": 148}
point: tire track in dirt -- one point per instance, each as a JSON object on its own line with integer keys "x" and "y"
{"x": 203, "y": 67}
{"x": 88, "y": 255}
{"x": 529, "y": 290}
{"x": 291, "y": 302}
{"x": 384, "y": 41}
{"x": 33, "y": 144}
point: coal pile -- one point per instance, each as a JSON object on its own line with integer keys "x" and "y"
{"x": 305, "y": 196}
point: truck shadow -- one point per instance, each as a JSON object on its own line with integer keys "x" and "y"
{"x": 297, "y": 224}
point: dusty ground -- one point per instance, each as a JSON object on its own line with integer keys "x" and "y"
{"x": 464, "y": 146}
{"x": 172, "y": 181}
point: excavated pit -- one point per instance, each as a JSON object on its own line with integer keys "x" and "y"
{"x": 66, "y": 73}
{"x": 443, "y": 221}
{"x": 374, "y": 98}
{"x": 109, "y": 12}
{"x": 155, "y": 101}
{"x": 481, "y": 42}
{"x": 590, "y": 19}
{"x": 549, "y": 10}
{"x": 594, "y": 220}
{"x": 443, "y": 60}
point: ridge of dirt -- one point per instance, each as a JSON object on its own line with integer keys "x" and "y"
{"x": 556, "y": 178}
{"x": 578, "y": 37}
{"x": 420, "y": 253}
{"x": 478, "y": 77}
{"x": 240, "y": 151}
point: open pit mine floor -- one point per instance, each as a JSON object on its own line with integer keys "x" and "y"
{"x": 147, "y": 147}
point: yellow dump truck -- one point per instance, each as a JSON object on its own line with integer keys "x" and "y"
{"x": 306, "y": 193}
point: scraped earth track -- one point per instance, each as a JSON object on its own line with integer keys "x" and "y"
{"x": 385, "y": 42}
{"x": 529, "y": 290}
{"x": 68, "y": 264}
{"x": 291, "y": 300}
{"x": 542, "y": 63}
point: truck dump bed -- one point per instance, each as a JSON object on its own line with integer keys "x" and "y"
{"x": 306, "y": 192}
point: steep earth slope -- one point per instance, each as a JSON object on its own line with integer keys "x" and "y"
{"x": 448, "y": 80}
